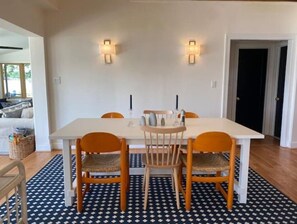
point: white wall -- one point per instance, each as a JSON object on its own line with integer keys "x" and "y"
{"x": 151, "y": 63}
{"x": 22, "y": 56}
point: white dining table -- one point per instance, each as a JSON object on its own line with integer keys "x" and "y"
{"x": 129, "y": 128}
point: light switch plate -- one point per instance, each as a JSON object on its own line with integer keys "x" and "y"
{"x": 213, "y": 84}
{"x": 57, "y": 80}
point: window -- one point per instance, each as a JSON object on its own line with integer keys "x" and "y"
{"x": 16, "y": 80}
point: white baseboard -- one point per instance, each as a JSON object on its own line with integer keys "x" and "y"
{"x": 43, "y": 148}
{"x": 293, "y": 145}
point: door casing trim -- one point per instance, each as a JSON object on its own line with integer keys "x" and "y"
{"x": 290, "y": 82}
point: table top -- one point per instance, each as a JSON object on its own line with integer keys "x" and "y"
{"x": 119, "y": 127}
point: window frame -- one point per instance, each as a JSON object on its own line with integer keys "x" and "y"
{"x": 22, "y": 80}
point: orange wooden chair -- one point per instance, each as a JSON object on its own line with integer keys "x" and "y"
{"x": 92, "y": 156}
{"x": 211, "y": 146}
{"x": 162, "y": 147}
{"x": 189, "y": 115}
{"x": 112, "y": 115}
{"x": 117, "y": 115}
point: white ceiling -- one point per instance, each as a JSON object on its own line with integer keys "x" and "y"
{"x": 11, "y": 39}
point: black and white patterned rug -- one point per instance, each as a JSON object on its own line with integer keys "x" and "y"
{"x": 101, "y": 205}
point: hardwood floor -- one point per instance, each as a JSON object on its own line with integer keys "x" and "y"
{"x": 33, "y": 163}
{"x": 275, "y": 164}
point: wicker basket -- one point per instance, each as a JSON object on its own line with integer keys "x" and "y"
{"x": 24, "y": 147}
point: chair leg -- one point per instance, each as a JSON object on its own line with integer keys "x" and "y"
{"x": 188, "y": 191}
{"x": 127, "y": 180}
{"x": 123, "y": 185}
{"x": 175, "y": 176}
{"x": 23, "y": 194}
{"x": 87, "y": 185}
{"x": 128, "y": 171}
{"x": 230, "y": 192}
{"x": 173, "y": 181}
{"x": 144, "y": 178}
{"x": 180, "y": 175}
{"x": 79, "y": 194}
{"x": 147, "y": 180}
{"x": 218, "y": 174}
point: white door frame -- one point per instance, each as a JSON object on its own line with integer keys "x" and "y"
{"x": 273, "y": 57}
{"x": 41, "y": 116}
{"x": 290, "y": 82}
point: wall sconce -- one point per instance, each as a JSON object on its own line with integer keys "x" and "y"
{"x": 192, "y": 50}
{"x": 107, "y": 49}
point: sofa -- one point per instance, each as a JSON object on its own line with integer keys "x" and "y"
{"x": 12, "y": 116}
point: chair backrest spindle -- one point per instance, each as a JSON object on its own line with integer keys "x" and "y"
{"x": 163, "y": 145}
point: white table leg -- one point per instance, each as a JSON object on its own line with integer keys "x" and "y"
{"x": 242, "y": 184}
{"x": 67, "y": 165}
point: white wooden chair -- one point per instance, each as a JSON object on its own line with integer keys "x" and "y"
{"x": 160, "y": 113}
{"x": 14, "y": 183}
{"x": 162, "y": 146}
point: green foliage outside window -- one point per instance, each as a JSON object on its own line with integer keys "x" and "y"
{"x": 28, "y": 74}
{"x": 12, "y": 71}
{"x": 12, "y": 79}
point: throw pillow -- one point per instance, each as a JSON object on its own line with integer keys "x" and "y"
{"x": 2, "y": 100}
{"x": 8, "y": 106}
{"x": 29, "y": 101}
{"x": 14, "y": 111}
{"x": 13, "y": 114}
{"x": 27, "y": 112}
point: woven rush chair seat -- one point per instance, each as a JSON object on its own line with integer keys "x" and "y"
{"x": 101, "y": 163}
{"x": 207, "y": 162}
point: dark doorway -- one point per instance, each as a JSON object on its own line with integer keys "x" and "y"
{"x": 280, "y": 91}
{"x": 251, "y": 80}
